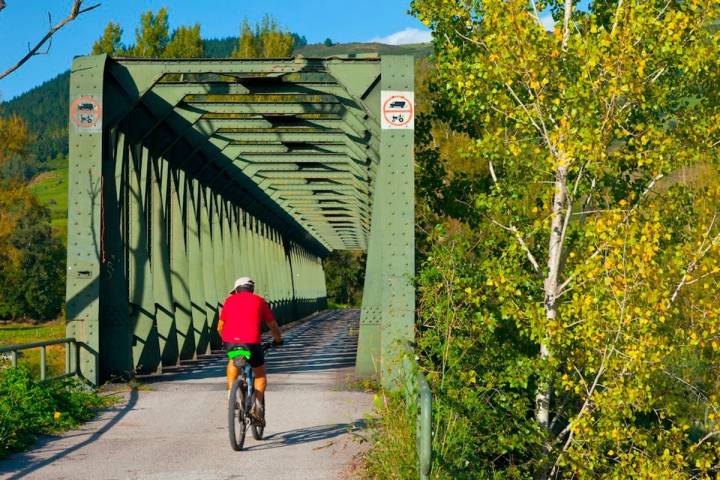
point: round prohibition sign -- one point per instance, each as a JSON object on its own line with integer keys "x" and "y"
{"x": 85, "y": 112}
{"x": 398, "y": 111}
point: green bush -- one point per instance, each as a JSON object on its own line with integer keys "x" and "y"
{"x": 29, "y": 408}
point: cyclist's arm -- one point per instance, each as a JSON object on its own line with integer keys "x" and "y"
{"x": 221, "y": 320}
{"x": 270, "y": 320}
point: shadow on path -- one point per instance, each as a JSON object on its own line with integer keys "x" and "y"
{"x": 22, "y": 464}
{"x": 307, "y": 435}
{"x": 325, "y": 342}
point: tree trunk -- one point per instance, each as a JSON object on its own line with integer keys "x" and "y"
{"x": 555, "y": 248}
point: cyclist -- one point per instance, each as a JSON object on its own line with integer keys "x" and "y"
{"x": 239, "y": 326}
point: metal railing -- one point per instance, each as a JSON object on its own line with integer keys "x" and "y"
{"x": 71, "y": 353}
{"x": 418, "y": 398}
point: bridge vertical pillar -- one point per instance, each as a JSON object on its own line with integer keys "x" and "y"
{"x": 145, "y": 343}
{"x": 196, "y": 283}
{"x": 179, "y": 265}
{"x": 160, "y": 261}
{"x": 388, "y": 307}
{"x": 208, "y": 264}
{"x": 85, "y": 211}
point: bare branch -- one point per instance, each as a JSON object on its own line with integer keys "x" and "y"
{"x": 2, "y": 5}
{"x": 75, "y": 11}
{"x": 512, "y": 229}
{"x": 705, "y": 246}
{"x": 492, "y": 171}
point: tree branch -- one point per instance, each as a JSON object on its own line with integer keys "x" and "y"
{"x": 75, "y": 11}
{"x": 566, "y": 23}
{"x": 704, "y": 248}
{"x": 512, "y": 229}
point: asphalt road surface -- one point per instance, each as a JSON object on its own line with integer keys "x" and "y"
{"x": 174, "y": 427}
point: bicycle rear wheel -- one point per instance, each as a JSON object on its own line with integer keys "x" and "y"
{"x": 237, "y": 425}
{"x": 257, "y": 430}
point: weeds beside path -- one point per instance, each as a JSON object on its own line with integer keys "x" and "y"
{"x": 29, "y": 408}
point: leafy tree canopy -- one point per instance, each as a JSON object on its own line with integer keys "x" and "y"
{"x": 267, "y": 40}
{"x": 569, "y": 311}
{"x": 110, "y": 42}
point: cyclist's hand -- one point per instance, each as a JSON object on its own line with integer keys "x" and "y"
{"x": 277, "y": 343}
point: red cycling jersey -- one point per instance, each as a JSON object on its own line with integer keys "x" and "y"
{"x": 242, "y": 315}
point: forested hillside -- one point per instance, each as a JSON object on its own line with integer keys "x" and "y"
{"x": 44, "y": 109}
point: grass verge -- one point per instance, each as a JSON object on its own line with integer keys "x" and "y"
{"x": 16, "y": 333}
{"x": 29, "y": 408}
{"x": 392, "y": 442}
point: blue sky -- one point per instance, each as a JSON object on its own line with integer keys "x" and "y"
{"x": 26, "y": 21}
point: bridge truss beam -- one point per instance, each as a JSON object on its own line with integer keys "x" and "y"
{"x": 185, "y": 174}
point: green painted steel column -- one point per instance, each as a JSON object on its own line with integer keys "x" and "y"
{"x": 388, "y": 310}
{"x": 179, "y": 268}
{"x": 145, "y": 343}
{"x": 236, "y": 250}
{"x": 244, "y": 245}
{"x": 228, "y": 252}
{"x": 218, "y": 250}
{"x": 84, "y": 213}
{"x": 115, "y": 333}
{"x": 160, "y": 262}
{"x": 195, "y": 270}
{"x": 208, "y": 265}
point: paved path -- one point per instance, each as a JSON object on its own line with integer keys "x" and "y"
{"x": 176, "y": 429}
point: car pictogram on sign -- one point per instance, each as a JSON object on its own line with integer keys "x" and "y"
{"x": 397, "y": 111}
{"x": 86, "y": 114}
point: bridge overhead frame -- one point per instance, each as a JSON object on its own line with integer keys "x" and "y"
{"x": 185, "y": 174}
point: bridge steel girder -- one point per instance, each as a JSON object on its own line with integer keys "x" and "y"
{"x": 185, "y": 174}
{"x": 388, "y": 305}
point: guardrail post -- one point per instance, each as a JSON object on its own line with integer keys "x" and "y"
{"x": 424, "y": 428}
{"x": 418, "y": 400}
{"x": 13, "y": 358}
{"x": 68, "y": 346}
{"x": 43, "y": 366}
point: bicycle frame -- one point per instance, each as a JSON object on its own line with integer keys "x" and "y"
{"x": 249, "y": 377}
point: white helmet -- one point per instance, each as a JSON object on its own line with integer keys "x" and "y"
{"x": 243, "y": 282}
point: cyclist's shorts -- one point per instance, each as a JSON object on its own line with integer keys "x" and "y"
{"x": 257, "y": 354}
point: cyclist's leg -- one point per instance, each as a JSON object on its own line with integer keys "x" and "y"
{"x": 260, "y": 383}
{"x": 232, "y": 373}
{"x": 231, "y": 370}
{"x": 257, "y": 362}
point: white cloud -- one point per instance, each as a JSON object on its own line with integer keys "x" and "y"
{"x": 547, "y": 22}
{"x": 403, "y": 37}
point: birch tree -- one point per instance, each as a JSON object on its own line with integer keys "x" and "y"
{"x": 606, "y": 260}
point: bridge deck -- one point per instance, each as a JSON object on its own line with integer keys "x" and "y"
{"x": 176, "y": 428}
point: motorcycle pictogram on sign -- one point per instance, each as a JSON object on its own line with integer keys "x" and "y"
{"x": 86, "y": 114}
{"x": 398, "y": 110}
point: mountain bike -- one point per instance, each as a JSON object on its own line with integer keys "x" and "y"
{"x": 242, "y": 399}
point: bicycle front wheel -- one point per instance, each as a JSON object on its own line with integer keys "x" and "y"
{"x": 237, "y": 426}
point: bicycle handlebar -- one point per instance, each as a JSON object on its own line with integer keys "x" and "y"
{"x": 268, "y": 345}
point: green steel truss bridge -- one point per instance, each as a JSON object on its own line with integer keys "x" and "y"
{"x": 186, "y": 174}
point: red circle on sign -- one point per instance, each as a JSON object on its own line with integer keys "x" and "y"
{"x": 395, "y": 114}
{"x": 85, "y": 112}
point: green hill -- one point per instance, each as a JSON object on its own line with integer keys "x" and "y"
{"x": 44, "y": 109}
